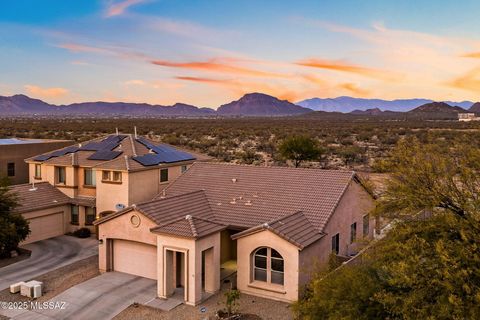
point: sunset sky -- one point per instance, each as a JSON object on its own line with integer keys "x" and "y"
{"x": 208, "y": 53}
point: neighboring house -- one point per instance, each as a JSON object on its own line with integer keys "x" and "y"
{"x": 271, "y": 225}
{"x": 468, "y": 117}
{"x": 14, "y": 151}
{"x": 71, "y": 187}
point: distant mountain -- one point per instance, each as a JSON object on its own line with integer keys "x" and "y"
{"x": 475, "y": 107}
{"x": 369, "y": 112}
{"x": 259, "y": 104}
{"x": 23, "y": 105}
{"x": 349, "y": 104}
{"x": 437, "y": 107}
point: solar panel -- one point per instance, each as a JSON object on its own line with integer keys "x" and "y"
{"x": 104, "y": 155}
{"x": 163, "y": 154}
{"x": 57, "y": 153}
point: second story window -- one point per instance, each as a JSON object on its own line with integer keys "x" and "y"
{"x": 89, "y": 177}
{"x": 106, "y": 175}
{"x": 117, "y": 176}
{"x": 74, "y": 215}
{"x": 163, "y": 175}
{"x": 336, "y": 243}
{"x": 184, "y": 168}
{"x": 353, "y": 232}
{"x": 11, "y": 169}
{"x": 60, "y": 175}
{"x": 38, "y": 171}
{"x": 112, "y": 176}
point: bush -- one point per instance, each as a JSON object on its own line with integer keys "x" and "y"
{"x": 82, "y": 233}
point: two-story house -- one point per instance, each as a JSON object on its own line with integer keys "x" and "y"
{"x": 71, "y": 187}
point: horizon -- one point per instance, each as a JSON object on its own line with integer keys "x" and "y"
{"x": 208, "y": 54}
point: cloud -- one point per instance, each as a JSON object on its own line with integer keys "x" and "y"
{"x": 337, "y": 65}
{"x": 469, "y": 81}
{"x": 471, "y": 55}
{"x": 75, "y": 47}
{"x": 135, "y": 82}
{"x": 219, "y": 65}
{"x": 353, "y": 88}
{"x": 40, "y": 92}
{"x": 118, "y": 8}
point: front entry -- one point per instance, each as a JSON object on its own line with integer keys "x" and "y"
{"x": 176, "y": 283}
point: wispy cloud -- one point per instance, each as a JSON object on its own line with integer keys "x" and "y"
{"x": 40, "y": 92}
{"x": 469, "y": 81}
{"x": 355, "y": 89}
{"x": 119, "y": 7}
{"x": 471, "y": 55}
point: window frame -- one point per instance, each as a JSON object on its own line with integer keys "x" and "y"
{"x": 366, "y": 226}
{"x": 161, "y": 175}
{"x": 94, "y": 215}
{"x": 38, "y": 171}
{"x": 92, "y": 173}
{"x": 336, "y": 243}
{"x": 116, "y": 174}
{"x": 183, "y": 168}
{"x": 59, "y": 169}
{"x": 10, "y": 169}
{"x": 269, "y": 270}
{"x": 353, "y": 232}
{"x": 106, "y": 175}
{"x": 75, "y": 221}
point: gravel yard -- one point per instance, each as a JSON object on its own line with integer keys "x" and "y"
{"x": 60, "y": 279}
{"x": 265, "y": 309}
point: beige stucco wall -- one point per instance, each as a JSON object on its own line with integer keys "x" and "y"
{"x": 245, "y": 247}
{"x": 122, "y": 228}
{"x": 45, "y": 212}
{"x": 193, "y": 254}
{"x": 110, "y": 194}
{"x": 355, "y": 203}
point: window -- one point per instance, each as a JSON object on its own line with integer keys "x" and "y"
{"x": 117, "y": 176}
{"x": 89, "y": 177}
{"x": 268, "y": 266}
{"x": 74, "y": 215}
{"x": 184, "y": 168}
{"x": 106, "y": 175}
{"x": 336, "y": 243}
{"x": 366, "y": 225}
{"x": 90, "y": 215}
{"x": 164, "y": 175}
{"x": 11, "y": 169}
{"x": 61, "y": 175}
{"x": 353, "y": 232}
{"x": 38, "y": 171}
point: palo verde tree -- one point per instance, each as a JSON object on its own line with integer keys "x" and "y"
{"x": 427, "y": 267}
{"x": 299, "y": 149}
{"x": 13, "y": 227}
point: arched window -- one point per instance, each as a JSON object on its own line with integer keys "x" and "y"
{"x": 268, "y": 266}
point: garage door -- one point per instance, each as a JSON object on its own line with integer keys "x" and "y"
{"x": 135, "y": 258}
{"x": 45, "y": 227}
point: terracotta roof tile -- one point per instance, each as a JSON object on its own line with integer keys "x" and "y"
{"x": 189, "y": 227}
{"x": 44, "y": 195}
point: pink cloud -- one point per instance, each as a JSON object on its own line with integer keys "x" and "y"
{"x": 40, "y": 92}
{"x": 118, "y": 8}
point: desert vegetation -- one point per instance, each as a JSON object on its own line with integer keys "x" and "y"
{"x": 345, "y": 142}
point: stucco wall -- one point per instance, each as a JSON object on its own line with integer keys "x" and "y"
{"x": 45, "y": 212}
{"x": 355, "y": 203}
{"x": 245, "y": 247}
{"x": 110, "y": 194}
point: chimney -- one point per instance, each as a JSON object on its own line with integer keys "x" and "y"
{"x": 135, "y": 131}
{"x": 116, "y": 131}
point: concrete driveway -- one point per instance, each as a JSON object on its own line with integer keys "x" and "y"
{"x": 48, "y": 255}
{"x": 101, "y": 297}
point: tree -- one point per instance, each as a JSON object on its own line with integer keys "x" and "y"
{"x": 13, "y": 227}
{"x": 427, "y": 267}
{"x": 299, "y": 148}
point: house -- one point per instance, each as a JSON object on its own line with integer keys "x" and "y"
{"x": 72, "y": 186}
{"x": 271, "y": 225}
{"x": 13, "y": 152}
{"x": 468, "y": 117}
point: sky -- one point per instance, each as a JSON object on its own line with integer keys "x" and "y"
{"x": 211, "y": 52}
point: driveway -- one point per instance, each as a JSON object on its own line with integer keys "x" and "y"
{"x": 101, "y": 297}
{"x": 48, "y": 255}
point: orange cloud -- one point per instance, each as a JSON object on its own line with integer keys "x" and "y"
{"x": 74, "y": 47}
{"x": 345, "y": 67}
{"x": 472, "y": 55}
{"x": 469, "y": 81}
{"x": 45, "y": 92}
{"x": 118, "y": 8}
{"x": 224, "y": 65}
{"x": 353, "y": 88}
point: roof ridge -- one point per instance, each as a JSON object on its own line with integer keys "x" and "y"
{"x": 192, "y": 225}
{"x": 172, "y": 197}
{"x": 285, "y": 216}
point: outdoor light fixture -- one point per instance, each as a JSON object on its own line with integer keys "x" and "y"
{"x": 100, "y": 241}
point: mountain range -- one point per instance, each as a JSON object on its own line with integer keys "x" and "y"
{"x": 349, "y": 104}
{"x": 252, "y": 104}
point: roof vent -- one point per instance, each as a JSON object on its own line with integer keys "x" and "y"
{"x": 234, "y": 201}
{"x": 164, "y": 194}
{"x": 265, "y": 225}
{"x": 255, "y": 195}
{"x": 248, "y": 203}
{"x": 219, "y": 204}
{"x": 234, "y": 180}
{"x": 33, "y": 188}
{"x": 188, "y": 217}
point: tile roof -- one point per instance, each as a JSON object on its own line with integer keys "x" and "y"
{"x": 110, "y": 152}
{"x": 294, "y": 228}
{"x": 247, "y": 196}
{"x": 83, "y": 201}
{"x": 189, "y": 227}
{"x": 43, "y": 196}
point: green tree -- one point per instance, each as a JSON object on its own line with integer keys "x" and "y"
{"x": 13, "y": 227}
{"x": 428, "y": 266}
{"x": 299, "y": 148}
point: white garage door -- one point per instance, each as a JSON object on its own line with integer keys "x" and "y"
{"x": 135, "y": 258}
{"x": 45, "y": 227}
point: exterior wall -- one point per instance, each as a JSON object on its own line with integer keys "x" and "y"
{"x": 245, "y": 247}
{"x": 122, "y": 228}
{"x": 228, "y": 250}
{"x": 45, "y": 212}
{"x": 17, "y": 153}
{"x": 193, "y": 256}
{"x": 109, "y": 194}
{"x": 355, "y": 203}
